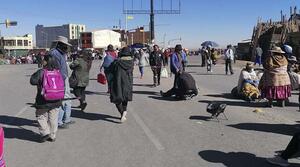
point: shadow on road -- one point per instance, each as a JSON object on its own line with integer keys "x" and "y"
{"x": 204, "y": 118}
{"x": 145, "y": 92}
{"x": 16, "y": 121}
{"x": 233, "y": 159}
{"x": 143, "y": 85}
{"x": 235, "y": 103}
{"x": 96, "y": 93}
{"x": 223, "y": 95}
{"x": 94, "y": 116}
{"x": 283, "y": 129}
{"x": 21, "y": 134}
{"x": 164, "y": 98}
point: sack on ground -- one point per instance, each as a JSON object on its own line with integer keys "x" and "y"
{"x": 101, "y": 78}
{"x": 187, "y": 84}
{"x": 164, "y": 73}
{"x": 53, "y": 87}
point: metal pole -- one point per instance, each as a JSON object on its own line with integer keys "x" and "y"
{"x": 152, "y": 22}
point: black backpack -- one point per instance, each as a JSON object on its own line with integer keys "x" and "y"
{"x": 215, "y": 109}
{"x": 187, "y": 85}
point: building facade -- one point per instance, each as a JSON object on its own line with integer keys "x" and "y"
{"x": 17, "y": 46}
{"x": 138, "y": 36}
{"x": 45, "y": 35}
{"x": 100, "y": 39}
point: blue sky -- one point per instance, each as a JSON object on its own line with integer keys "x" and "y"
{"x": 223, "y": 21}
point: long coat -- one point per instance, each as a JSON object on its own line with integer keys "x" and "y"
{"x": 122, "y": 80}
{"x": 81, "y": 69}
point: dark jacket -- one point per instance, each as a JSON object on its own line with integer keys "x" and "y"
{"x": 81, "y": 70}
{"x": 156, "y": 59}
{"x": 122, "y": 80}
{"x": 40, "y": 102}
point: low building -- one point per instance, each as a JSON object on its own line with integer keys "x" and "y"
{"x": 45, "y": 35}
{"x": 100, "y": 39}
{"x": 16, "y": 46}
{"x": 139, "y": 35}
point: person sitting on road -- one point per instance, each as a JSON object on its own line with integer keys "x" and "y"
{"x": 248, "y": 83}
{"x": 289, "y": 152}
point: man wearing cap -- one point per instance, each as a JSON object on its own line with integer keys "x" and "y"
{"x": 59, "y": 51}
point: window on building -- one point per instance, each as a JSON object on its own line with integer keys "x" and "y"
{"x": 81, "y": 28}
{"x": 72, "y": 28}
{"x": 9, "y": 43}
{"x": 19, "y": 42}
{"x": 25, "y": 42}
{"x": 29, "y": 43}
{"x": 89, "y": 35}
{"x": 73, "y": 37}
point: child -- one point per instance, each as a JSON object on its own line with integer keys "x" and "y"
{"x": 46, "y": 110}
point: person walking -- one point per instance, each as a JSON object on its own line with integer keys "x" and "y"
{"x": 143, "y": 61}
{"x": 59, "y": 52}
{"x": 110, "y": 56}
{"x": 156, "y": 61}
{"x": 81, "y": 69}
{"x": 229, "y": 57}
{"x": 209, "y": 60}
{"x": 258, "y": 53}
{"x": 289, "y": 152}
{"x": 46, "y": 111}
{"x": 275, "y": 83}
{"x": 122, "y": 81}
{"x": 203, "y": 53}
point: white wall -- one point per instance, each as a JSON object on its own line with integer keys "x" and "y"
{"x": 102, "y": 38}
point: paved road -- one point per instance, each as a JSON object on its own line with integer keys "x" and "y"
{"x": 158, "y": 133}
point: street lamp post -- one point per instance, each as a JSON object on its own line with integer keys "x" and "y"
{"x": 7, "y": 23}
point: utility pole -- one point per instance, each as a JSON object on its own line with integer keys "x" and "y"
{"x": 152, "y": 36}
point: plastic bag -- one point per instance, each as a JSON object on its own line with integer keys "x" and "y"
{"x": 164, "y": 73}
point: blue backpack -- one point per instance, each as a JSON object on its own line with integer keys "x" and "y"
{"x": 108, "y": 59}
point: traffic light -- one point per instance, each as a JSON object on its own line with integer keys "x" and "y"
{"x": 10, "y": 23}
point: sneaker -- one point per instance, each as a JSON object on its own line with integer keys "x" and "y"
{"x": 44, "y": 138}
{"x": 83, "y": 106}
{"x": 278, "y": 161}
{"x": 51, "y": 139}
{"x": 123, "y": 118}
{"x": 161, "y": 93}
{"x": 63, "y": 126}
{"x": 70, "y": 123}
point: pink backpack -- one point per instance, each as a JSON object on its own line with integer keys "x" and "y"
{"x": 2, "y": 162}
{"x": 53, "y": 85}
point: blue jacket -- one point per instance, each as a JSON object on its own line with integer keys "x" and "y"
{"x": 61, "y": 62}
{"x": 175, "y": 64}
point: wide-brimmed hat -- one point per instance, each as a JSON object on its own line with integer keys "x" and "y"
{"x": 63, "y": 40}
{"x": 277, "y": 49}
